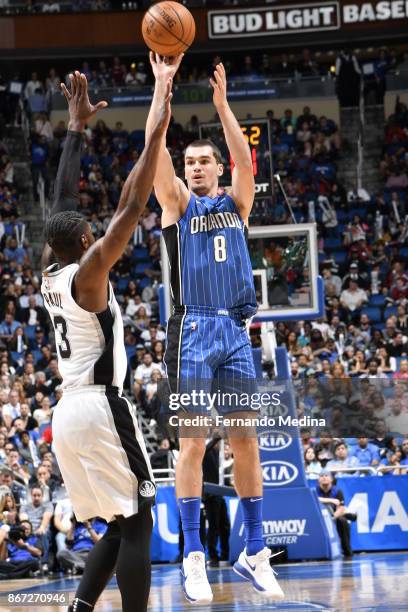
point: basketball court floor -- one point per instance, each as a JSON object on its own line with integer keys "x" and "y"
{"x": 369, "y": 582}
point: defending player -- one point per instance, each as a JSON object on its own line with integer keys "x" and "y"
{"x": 213, "y": 290}
{"x": 99, "y": 447}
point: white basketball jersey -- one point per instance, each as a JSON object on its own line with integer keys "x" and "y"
{"x": 90, "y": 346}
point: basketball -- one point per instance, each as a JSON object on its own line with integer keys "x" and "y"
{"x": 168, "y": 28}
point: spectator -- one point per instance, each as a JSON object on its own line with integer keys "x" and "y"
{"x": 28, "y": 450}
{"x": 342, "y": 461}
{"x": 23, "y": 552}
{"x": 324, "y": 449}
{"x": 7, "y": 328}
{"x": 62, "y": 521}
{"x": 313, "y": 467}
{"x": 352, "y": 300}
{"x": 143, "y": 373}
{"x": 32, "y": 86}
{"x": 366, "y": 453}
{"x": 333, "y": 499}
{"x": 307, "y": 67}
{"x": 43, "y": 127}
{"x": 391, "y": 456}
{"x": 52, "y": 82}
{"x": 402, "y": 373}
{"x": 397, "y": 420}
{"x": 397, "y": 346}
{"x": 39, "y": 513}
{"x": 348, "y": 79}
{"x": 215, "y": 506}
{"x": 80, "y": 539}
{"x": 44, "y": 481}
{"x": 17, "y": 489}
{"x": 284, "y": 68}
{"x": 161, "y": 459}
{"x": 39, "y": 158}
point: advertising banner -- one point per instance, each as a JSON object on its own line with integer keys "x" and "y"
{"x": 381, "y": 505}
{"x": 302, "y": 18}
{"x": 165, "y": 534}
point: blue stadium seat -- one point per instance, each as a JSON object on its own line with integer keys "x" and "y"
{"x": 144, "y": 282}
{"x": 361, "y": 212}
{"x": 130, "y": 351}
{"x": 137, "y": 139}
{"x": 141, "y": 253}
{"x": 16, "y": 356}
{"x": 122, "y": 284}
{"x": 389, "y": 311}
{"x": 37, "y": 355}
{"x": 374, "y": 314}
{"x": 333, "y": 244}
{"x": 141, "y": 267}
{"x": 29, "y": 331}
{"x": 377, "y": 300}
{"x": 340, "y": 257}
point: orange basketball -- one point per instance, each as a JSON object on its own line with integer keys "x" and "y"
{"x": 168, "y": 28}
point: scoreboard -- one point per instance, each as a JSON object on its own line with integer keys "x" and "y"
{"x": 258, "y": 134}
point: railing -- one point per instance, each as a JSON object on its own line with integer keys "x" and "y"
{"x": 390, "y": 468}
{"x": 360, "y": 138}
{"x": 198, "y": 93}
{"x": 369, "y": 469}
{"x": 43, "y": 201}
{"x": 164, "y": 475}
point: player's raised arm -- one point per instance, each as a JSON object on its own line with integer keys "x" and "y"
{"x": 243, "y": 184}
{"x": 170, "y": 191}
{"x": 92, "y": 275}
{"x": 66, "y": 188}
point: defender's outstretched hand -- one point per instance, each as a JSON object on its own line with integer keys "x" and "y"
{"x": 219, "y": 85}
{"x": 79, "y": 105}
{"x": 164, "y": 67}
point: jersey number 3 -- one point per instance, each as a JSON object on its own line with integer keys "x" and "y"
{"x": 220, "y": 249}
{"x": 61, "y": 340}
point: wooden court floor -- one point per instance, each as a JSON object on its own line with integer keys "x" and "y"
{"x": 369, "y": 582}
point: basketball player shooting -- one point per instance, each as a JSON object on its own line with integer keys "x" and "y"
{"x": 100, "y": 450}
{"x": 213, "y": 290}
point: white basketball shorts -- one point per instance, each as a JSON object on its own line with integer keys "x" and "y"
{"x": 101, "y": 453}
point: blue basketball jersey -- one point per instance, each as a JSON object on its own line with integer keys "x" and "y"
{"x": 209, "y": 258}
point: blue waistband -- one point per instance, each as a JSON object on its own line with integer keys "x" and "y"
{"x": 211, "y": 311}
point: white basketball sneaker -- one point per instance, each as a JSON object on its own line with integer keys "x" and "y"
{"x": 195, "y": 582}
{"x": 257, "y": 569}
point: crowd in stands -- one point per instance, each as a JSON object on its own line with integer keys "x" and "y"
{"x": 363, "y": 255}
{"x": 371, "y": 65}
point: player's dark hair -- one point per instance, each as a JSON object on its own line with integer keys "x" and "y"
{"x": 63, "y": 230}
{"x": 206, "y": 142}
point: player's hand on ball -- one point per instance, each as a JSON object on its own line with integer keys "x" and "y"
{"x": 219, "y": 85}
{"x": 165, "y": 110}
{"x": 164, "y": 67}
{"x": 79, "y": 106}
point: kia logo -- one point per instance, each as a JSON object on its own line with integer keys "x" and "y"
{"x": 274, "y": 440}
{"x": 278, "y": 473}
{"x": 280, "y": 410}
